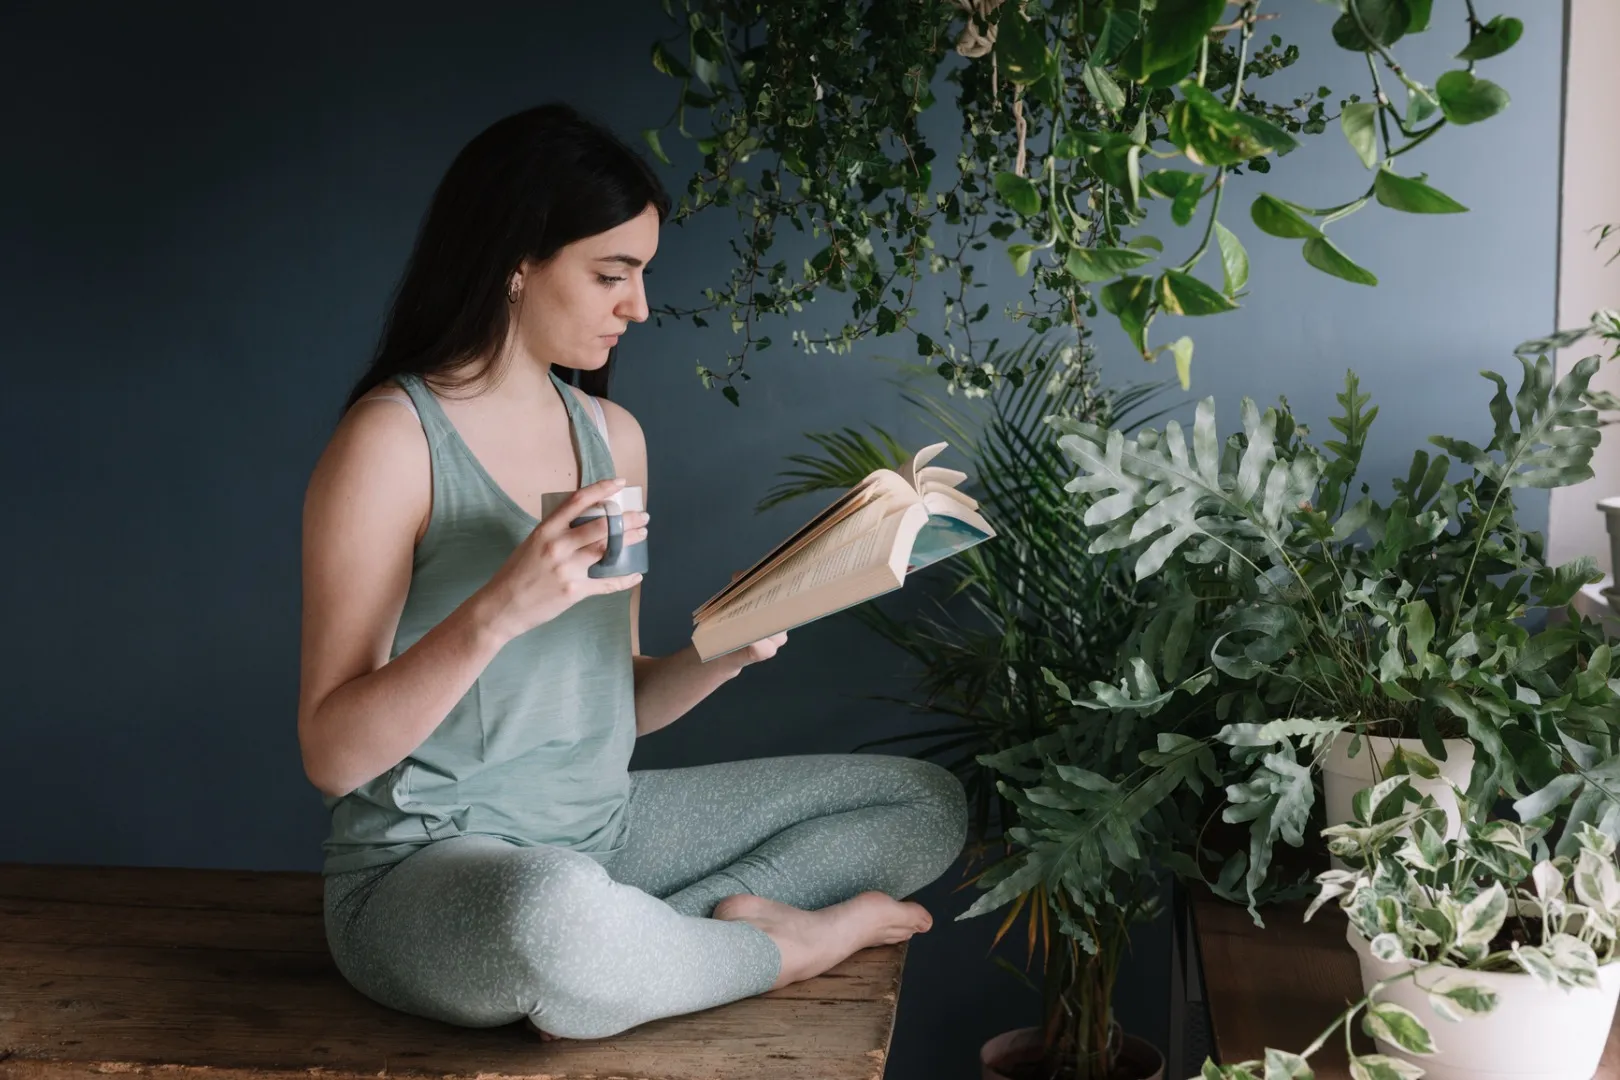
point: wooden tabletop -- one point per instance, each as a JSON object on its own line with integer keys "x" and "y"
{"x": 225, "y": 975}
{"x": 1280, "y": 986}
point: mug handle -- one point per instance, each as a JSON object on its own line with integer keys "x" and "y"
{"x": 615, "y": 536}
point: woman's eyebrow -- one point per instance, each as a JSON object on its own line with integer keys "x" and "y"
{"x": 628, "y": 260}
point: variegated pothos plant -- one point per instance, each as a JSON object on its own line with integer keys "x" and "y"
{"x": 1437, "y": 909}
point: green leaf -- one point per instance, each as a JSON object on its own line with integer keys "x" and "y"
{"x": 730, "y": 393}
{"x": 1421, "y": 104}
{"x": 665, "y": 61}
{"x": 1557, "y": 585}
{"x": 1394, "y": 1024}
{"x": 1018, "y": 193}
{"x": 1183, "y": 294}
{"x": 1020, "y": 46}
{"x": 1019, "y": 254}
{"x": 705, "y": 51}
{"x": 1548, "y": 798}
{"x": 1482, "y": 917}
{"x": 1119, "y": 29}
{"x": 1418, "y": 620}
{"x": 1102, "y": 264}
{"x": 1382, "y": 1067}
{"x": 1385, "y": 20}
{"x": 1024, "y": 877}
{"x": 1282, "y": 1065}
{"x": 1278, "y": 218}
{"x": 1321, "y": 253}
{"x": 1102, "y": 86}
{"x": 1466, "y": 99}
{"x": 1174, "y": 30}
{"x": 1457, "y": 996}
{"x": 1182, "y": 350}
{"x": 1498, "y": 36}
{"x": 1069, "y": 146}
{"x": 1234, "y": 260}
{"x": 1129, "y": 298}
{"x": 1184, "y": 188}
{"x": 651, "y": 135}
{"x": 1420, "y": 10}
{"x": 1359, "y": 122}
{"x": 1413, "y": 196}
{"x": 1209, "y": 133}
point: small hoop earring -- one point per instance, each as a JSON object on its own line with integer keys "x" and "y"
{"x": 513, "y": 289}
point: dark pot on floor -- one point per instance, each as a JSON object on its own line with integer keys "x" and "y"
{"x": 1014, "y": 1055}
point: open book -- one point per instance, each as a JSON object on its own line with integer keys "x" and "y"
{"x": 887, "y": 526}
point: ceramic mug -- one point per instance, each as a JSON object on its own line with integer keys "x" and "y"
{"x": 620, "y": 559}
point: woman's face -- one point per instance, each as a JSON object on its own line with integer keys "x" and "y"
{"x": 574, "y": 305}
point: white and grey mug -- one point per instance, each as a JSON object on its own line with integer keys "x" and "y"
{"x": 620, "y": 559}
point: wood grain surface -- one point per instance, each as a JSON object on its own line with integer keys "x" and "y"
{"x": 225, "y": 975}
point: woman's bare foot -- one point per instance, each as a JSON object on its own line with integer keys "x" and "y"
{"x": 814, "y": 941}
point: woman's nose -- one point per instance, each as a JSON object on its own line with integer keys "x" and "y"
{"x": 635, "y": 307}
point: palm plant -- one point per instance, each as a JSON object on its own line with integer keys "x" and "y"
{"x": 1002, "y": 611}
{"x": 993, "y": 625}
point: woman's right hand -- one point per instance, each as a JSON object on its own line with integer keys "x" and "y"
{"x": 547, "y": 573}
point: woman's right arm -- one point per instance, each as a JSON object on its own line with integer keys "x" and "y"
{"x": 360, "y": 713}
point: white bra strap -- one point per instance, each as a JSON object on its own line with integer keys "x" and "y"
{"x": 398, "y": 399}
{"x": 601, "y": 420}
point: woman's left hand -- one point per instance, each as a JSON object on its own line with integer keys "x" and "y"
{"x": 763, "y": 649}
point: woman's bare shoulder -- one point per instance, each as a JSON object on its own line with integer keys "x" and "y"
{"x": 377, "y": 458}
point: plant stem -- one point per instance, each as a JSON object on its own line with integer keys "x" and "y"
{"x": 1383, "y": 53}
{"x": 1418, "y": 139}
{"x": 1247, "y": 17}
{"x": 1348, "y": 208}
{"x": 1383, "y": 103}
{"x": 1209, "y": 229}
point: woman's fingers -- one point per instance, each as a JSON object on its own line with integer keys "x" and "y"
{"x": 617, "y": 584}
{"x": 592, "y": 534}
{"x": 587, "y": 497}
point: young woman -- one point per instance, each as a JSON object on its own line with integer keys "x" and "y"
{"x": 470, "y": 696}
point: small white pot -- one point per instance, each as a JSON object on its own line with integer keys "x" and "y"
{"x": 1343, "y": 775}
{"x": 1610, "y": 508}
{"x": 1535, "y": 1032}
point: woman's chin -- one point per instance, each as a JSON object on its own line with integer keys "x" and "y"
{"x": 589, "y": 362}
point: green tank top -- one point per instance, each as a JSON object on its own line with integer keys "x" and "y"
{"x": 538, "y": 750}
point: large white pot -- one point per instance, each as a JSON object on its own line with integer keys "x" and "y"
{"x": 1535, "y": 1032}
{"x": 1343, "y": 775}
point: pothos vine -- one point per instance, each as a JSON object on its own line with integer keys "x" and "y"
{"x": 1066, "y": 109}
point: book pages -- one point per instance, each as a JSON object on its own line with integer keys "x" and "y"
{"x": 849, "y": 546}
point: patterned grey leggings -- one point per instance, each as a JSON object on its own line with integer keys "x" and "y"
{"x": 477, "y": 931}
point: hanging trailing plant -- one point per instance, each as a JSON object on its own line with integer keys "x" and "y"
{"x": 1075, "y": 116}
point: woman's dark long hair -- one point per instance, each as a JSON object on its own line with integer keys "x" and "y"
{"x": 523, "y": 188}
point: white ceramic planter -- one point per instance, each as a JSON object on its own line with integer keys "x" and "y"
{"x": 1610, "y": 509}
{"x": 1534, "y": 1033}
{"x": 1343, "y": 775}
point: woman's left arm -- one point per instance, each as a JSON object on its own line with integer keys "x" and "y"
{"x": 667, "y": 687}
